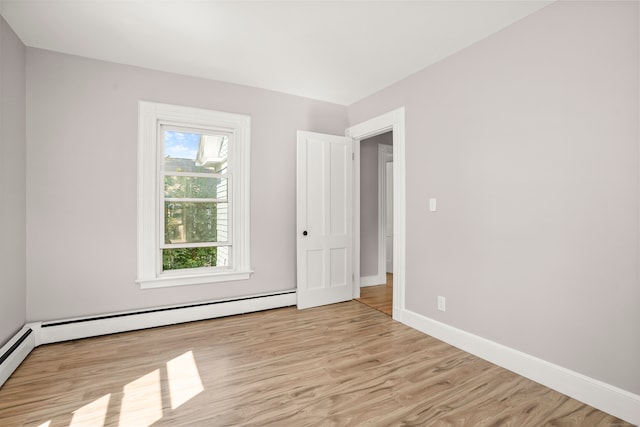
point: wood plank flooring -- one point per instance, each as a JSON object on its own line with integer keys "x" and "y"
{"x": 339, "y": 365}
{"x": 379, "y": 297}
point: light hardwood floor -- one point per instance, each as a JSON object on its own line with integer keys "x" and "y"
{"x": 339, "y": 365}
{"x": 379, "y": 297}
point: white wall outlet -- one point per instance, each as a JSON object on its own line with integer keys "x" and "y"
{"x": 442, "y": 303}
{"x": 432, "y": 205}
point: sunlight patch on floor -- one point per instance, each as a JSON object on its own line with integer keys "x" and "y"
{"x": 184, "y": 379}
{"x": 91, "y": 414}
{"x": 142, "y": 401}
{"x": 141, "y": 404}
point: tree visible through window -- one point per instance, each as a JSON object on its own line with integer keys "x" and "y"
{"x": 196, "y": 199}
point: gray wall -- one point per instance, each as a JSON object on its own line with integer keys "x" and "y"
{"x": 81, "y": 181}
{"x": 369, "y": 202}
{"x": 12, "y": 183}
{"x": 530, "y": 141}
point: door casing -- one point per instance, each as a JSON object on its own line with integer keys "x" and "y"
{"x": 393, "y": 121}
{"x": 385, "y": 208}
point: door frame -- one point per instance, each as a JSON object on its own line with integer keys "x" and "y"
{"x": 385, "y": 156}
{"x": 393, "y": 121}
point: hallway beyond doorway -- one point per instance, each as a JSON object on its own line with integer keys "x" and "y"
{"x": 379, "y": 297}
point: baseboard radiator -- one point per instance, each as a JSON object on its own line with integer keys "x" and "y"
{"x": 15, "y": 351}
{"x": 35, "y": 334}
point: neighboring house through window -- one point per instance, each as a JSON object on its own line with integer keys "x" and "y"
{"x": 193, "y": 196}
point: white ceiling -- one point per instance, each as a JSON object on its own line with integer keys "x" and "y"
{"x": 337, "y": 51}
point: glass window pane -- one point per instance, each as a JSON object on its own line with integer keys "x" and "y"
{"x": 195, "y": 152}
{"x": 177, "y": 259}
{"x": 195, "y": 222}
{"x": 195, "y": 187}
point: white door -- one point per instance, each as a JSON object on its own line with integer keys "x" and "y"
{"x": 324, "y": 219}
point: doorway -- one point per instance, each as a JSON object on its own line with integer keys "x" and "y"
{"x": 376, "y": 222}
{"x": 393, "y": 122}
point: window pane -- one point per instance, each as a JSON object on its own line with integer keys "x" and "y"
{"x": 195, "y": 222}
{"x": 177, "y": 259}
{"x": 195, "y": 152}
{"x": 195, "y": 187}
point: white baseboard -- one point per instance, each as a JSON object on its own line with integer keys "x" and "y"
{"x": 51, "y": 332}
{"x": 15, "y": 351}
{"x": 600, "y": 395}
{"x": 373, "y": 280}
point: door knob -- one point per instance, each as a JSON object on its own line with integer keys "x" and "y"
{"x": 304, "y": 233}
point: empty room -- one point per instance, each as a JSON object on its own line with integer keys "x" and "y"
{"x": 292, "y": 213}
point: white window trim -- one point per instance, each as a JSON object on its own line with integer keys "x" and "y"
{"x": 149, "y": 270}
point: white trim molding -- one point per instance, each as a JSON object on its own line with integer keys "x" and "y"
{"x": 373, "y": 280}
{"x": 393, "y": 121}
{"x": 385, "y": 155}
{"x": 600, "y": 395}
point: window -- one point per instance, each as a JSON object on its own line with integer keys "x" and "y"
{"x": 193, "y": 196}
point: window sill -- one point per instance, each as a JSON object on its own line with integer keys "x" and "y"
{"x": 194, "y": 279}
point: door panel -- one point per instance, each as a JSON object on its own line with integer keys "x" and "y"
{"x": 324, "y": 212}
{"x": 338, "y": 193}
{"x": 338, "y": 267}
